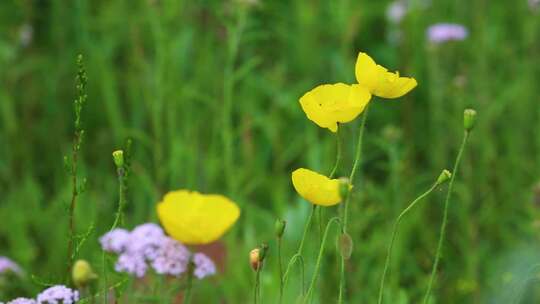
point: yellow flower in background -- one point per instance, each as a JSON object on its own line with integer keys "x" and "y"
{"x": 379, "y": 81}
{"x": 316, "y": 188}
{"x": 328, "y": 104}
{"x": 194, "y": 218}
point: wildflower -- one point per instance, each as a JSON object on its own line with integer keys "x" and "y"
{"x": 194, "y": 218}
{"x": 131, "y": 263}
{"x": 396, "y": 11}
{"x": 82, "y": 273}
{"x": 443, "y": 32}
{"x": 58, "y": 294}
{"x": 8, "y": 266}
{"x": 316, "y": 188}
{"x": 145, "y": 240}
{"x": 328, "y": 104}
{"x": 172, "y": 258}
{"x": 379, "y": 81}
{"x": 22, "y": 301}
{"x": 203, "y": 266}
{"x": 115, "y": 240}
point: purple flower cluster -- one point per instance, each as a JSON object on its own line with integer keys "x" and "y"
{"x": 22, "y": 301}
{"x": 148, "y": 246}
{"x": 396, "y": 11}
{"x": 58, "y": 294}
{"x": 7, "y": 265}
{"x": 443, "y": 32}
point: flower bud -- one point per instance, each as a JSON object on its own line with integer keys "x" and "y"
{"x": 445, "y": 176}
{"x": 279, "y": 227}
{"x": 345, "y": 245}
{"x": 254, "y": 258}
{"x": 344, "y": 187}
{"x": 118, "y": 157}
{"x": 469, "y": 119}
{"x": 82, "y": 273}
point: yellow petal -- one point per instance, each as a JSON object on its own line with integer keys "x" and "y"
{"x": 328, "y": 104}
{"x": 316, "y": 188}
{"x": 194, "y": 218}
{"x": 379, "y": 81}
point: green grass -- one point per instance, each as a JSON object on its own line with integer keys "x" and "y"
{"x": 209, "y": 93}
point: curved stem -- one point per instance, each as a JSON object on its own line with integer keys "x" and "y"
{"x": 345, "y": 215}
{"x": 445, "y": 218}
{"x": 319, "y": 258}
{"x": 338, "y": 155}
{"x": 291, "y": 262}
{"x": 393, "y": 237}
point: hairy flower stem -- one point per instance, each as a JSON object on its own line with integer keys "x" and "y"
{"x": 393, "y": 237}
{"x": 445, "y": 217}
{"x": 319, "y": 259}
{"x": 81, "y": 81}
{"x": 345, "y": 214}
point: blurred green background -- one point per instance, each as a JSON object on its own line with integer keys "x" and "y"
{"x": 209, "y": 90}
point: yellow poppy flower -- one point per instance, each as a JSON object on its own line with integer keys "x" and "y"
{"x": 328, "y": 104}
{"x": 316, "y": 188}
{"x": 379, "y": 81}
{"x": 194, "y": 218}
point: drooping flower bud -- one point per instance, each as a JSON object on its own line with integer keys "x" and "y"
{"x": 469, "y": 119}
{"x": 82, "y": 273}
{"x": 118, "y": 157}
{"x": 254, "y": 258}
{"x": 345, "y": 245}
{"x": 445, "y": 176}
{"x": 279, "y": 227}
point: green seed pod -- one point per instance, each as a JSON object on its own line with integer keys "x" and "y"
{"x": 82, "y": 273}
{"x": 444, "y": 177}
{"x": 118, "y": 157}
{"x": 469, "y": 119}
{"x": 279, "y": 227}
{"x": 345, "y": 245}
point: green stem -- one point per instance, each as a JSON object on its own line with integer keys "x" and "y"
{"x": 257, "y": 287}
{"x": 393, "y": 237}
{"x": 189, "y": 285}
{"x": 445, "y": 218}
{"x": 319, "y": 258}
{"x": 338, "y": 155}
{"x": 298, "y": 253}
{"x": 280, "y": 265}
{"x": 345, "y": 215}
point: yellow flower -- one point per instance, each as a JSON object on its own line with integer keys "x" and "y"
{"x": 379, "y": 81}
{"x": 316, "y": 188}
{"x": 194, "y": 218}
{"x": 328, "y": 104}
